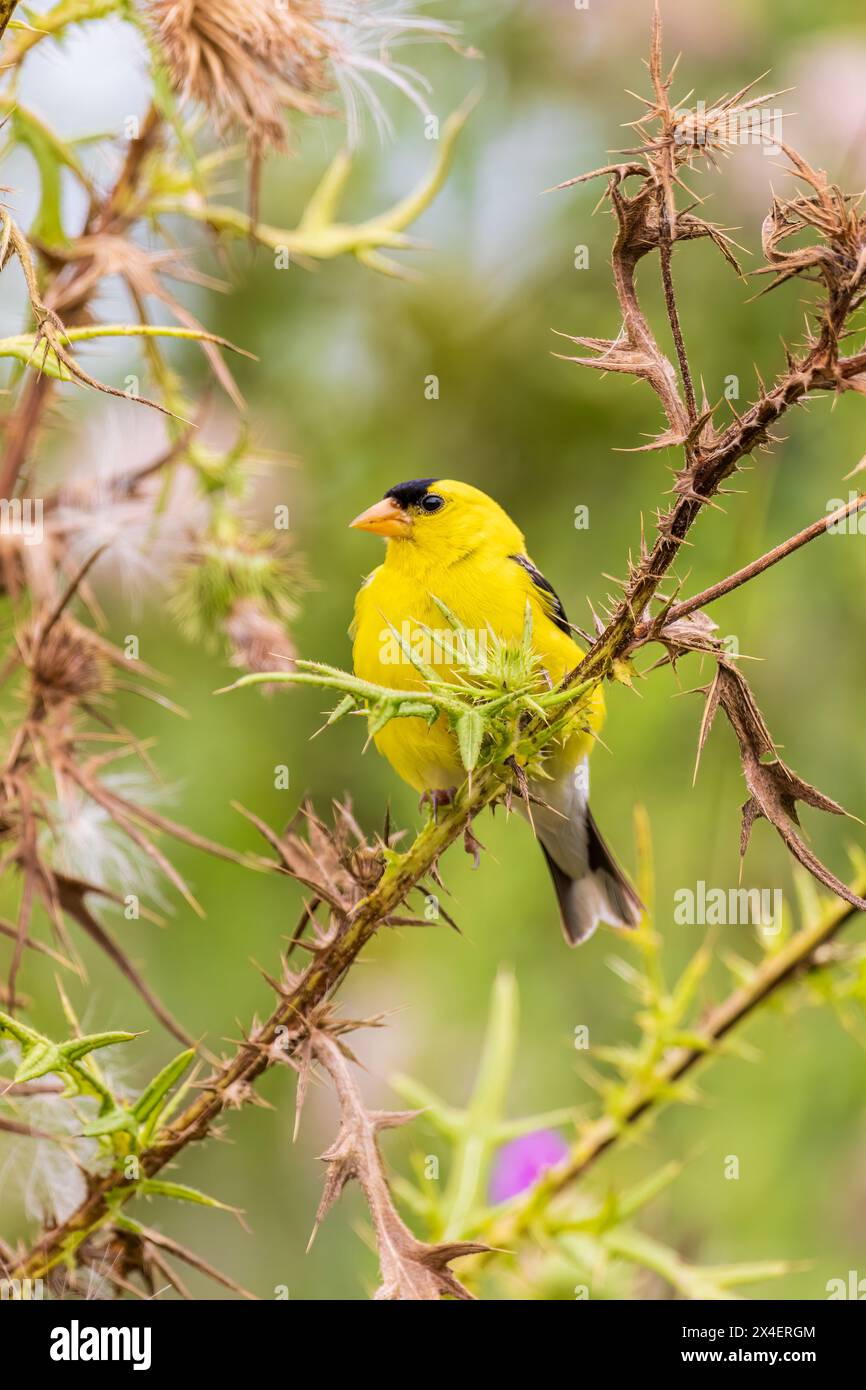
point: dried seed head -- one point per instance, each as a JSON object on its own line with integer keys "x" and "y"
{"x": 241, "y": 586}
{"x": 64, "y": 664}
{"x": 259, "y": 641}
{"x": 245, "y": 60}
{"x": 85, "y": 841}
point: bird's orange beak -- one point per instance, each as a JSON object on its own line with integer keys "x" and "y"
{"x": 386, "y": 518}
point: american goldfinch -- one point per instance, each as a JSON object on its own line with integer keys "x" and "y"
{"x": 449, "y": 540}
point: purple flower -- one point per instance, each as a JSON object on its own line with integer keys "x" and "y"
{"x": 521, "y": 1162}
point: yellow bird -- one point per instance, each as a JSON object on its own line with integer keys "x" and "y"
{"x": 448, "y": 539}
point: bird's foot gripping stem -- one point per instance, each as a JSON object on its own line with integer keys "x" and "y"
{"x": 436, "y": 797}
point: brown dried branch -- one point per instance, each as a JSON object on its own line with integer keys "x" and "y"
{"x": 410, "y": 1268}
{"x": 774, "y": 789}
{"x": 647, "y": 221}
{"x": 359, "y": 885}
{"x": 129, "y": 1255}
{"x": 362, "y": 904}
{"x": 50, "y": 338}
{"x": 712, "y": 455}
{"x": 67, "y": 297}
{"x": 143, "y": 271}
{"x": 635, "y": 351}
{"x": 68, "y": 674}
{"x": 676, "y": 612}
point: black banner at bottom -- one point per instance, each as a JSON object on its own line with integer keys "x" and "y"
{"x": 152, "y": 1336}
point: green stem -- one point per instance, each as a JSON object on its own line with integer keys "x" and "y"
{"x": 278, "y": 1038}
{"x": 481, "y": 1129}
{"x": 800, "y": 954}
{"x": 52, "y": 22}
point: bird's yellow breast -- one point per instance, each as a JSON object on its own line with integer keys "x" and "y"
{"x": 484, "y": 587}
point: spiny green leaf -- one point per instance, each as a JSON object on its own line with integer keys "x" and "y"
{"x": 644, "y": 1192}
{"x": 39, "y": 1059}
{"x": 24, "y": 347}
{"x": 527, "y": 626}
{"x": 326, "y": 239}
{"x": 157, "y": 1187}
{"x": 529, "y": 1124}
{"x": 687, "y": 985}
{"x": 470, "y": 734}
{"x": 624, "y": 1059}
{"x": 450, "y": 617}
{"x": 77, "y": 1048}
{"x": 729, "y": 1276}
{"x": 19, "y": 1031}
{"x": 153, "y": 1095}
{"x": 422, "y": 667}
{"x": 441, "y": 1115}
{"x": 406, "y": 1192}
{"x": 808, "y": 898}
{"x": 113, "y": 1122}
{"x": 346, "y": 705}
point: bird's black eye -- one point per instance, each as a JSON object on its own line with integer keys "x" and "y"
{"x": 432, "y": 502}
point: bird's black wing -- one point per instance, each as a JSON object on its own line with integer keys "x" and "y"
{"x": 549, "y": 597}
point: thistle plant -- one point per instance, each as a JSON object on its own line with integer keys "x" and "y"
{"x": 231, "y": 585}
{"x": 497, "y": 699}
{"x": 583, "y": 1244}
{"x": 74, "y": 834}
{"x": 257, "y": 72}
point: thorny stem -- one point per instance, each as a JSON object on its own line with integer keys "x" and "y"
{"x": 709, "y": 460}
{"x": 665, "y": 257}
{"x": 269, "y": 1044}
{"x": 51, "y": 23}
{"x": 7, "y": 8}
{"x": 278, "y": 1038}
{"x": 668, "y": 218}
{"x": 646, "y": 631}
{"x": 709, "y": 472}
{"x": 708, "y": 465}
{"x": 115, "y": 212}
{"x": 800, "y": 955}
{"x": 659, "y": 372}
{"x": 410, "y": 1269}
{"x": 112, "y": 215}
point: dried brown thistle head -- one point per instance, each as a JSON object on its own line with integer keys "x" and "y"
{"x": 114, "y": 1261}
{"x": 67, "y": 827}
{"x": 64, "y": 665}
{"x": 833, "y": 220}
{"x": 338, "y": 863}
{"x": 246, "y": 61}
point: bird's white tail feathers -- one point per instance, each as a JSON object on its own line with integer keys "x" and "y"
{"x": 590, "y": 886}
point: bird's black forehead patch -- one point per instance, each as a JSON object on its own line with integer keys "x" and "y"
{"x": 410, "y": 494}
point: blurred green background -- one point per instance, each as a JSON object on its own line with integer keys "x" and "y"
{"x": 340, "y": 389}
